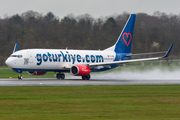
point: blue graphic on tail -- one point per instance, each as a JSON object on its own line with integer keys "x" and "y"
{"x": 124, "y": 42}
{"x": 15, "y": 48}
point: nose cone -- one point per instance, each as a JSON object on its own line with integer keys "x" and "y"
{"x": 9, "y": 62}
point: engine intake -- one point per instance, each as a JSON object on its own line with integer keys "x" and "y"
{"x": 80, "y": 70}
{"x": 36, "y": 72}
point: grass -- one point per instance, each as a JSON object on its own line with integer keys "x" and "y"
{"x": 90, "y": 102}
{"x": 8, "y": 73}
{"x": 139, "y": 102}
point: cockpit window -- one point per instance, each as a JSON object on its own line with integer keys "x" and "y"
{"x": 18, "y": 56}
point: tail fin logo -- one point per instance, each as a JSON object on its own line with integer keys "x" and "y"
{"x": 127, "y": 37}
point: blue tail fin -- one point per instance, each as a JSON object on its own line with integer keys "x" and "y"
{"x": 15, "y": 47}
{"x": 123, "y": 44}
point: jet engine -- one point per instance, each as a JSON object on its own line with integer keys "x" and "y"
{"x": 80, "y": 70}
{"x": 36, "y": 72}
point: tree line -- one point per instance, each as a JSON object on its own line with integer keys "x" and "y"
{"x": 33, "y": 30}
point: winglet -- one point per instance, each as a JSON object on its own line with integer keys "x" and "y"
{"x": 168, "y": 52}
{"x": 15, "y": 48}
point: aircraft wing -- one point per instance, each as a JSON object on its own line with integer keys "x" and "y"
{"x": 106, "y": 64}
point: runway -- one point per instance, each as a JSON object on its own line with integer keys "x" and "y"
{"x": 78, "y": 82}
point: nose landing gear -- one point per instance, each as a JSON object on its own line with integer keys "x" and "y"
{"x": 20, "y": 77}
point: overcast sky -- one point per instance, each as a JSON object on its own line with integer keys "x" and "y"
{"x": 96, "y": 8}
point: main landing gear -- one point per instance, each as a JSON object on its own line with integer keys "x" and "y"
{"x": 20, "y": 77}
{"x": 86, "y": 77}
{"x": 60, "y": 76}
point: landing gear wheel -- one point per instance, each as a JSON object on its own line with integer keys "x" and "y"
{"x": 20, "y": 77}
{"x": 60, "y": 76}
{"x": 86, "y": 77}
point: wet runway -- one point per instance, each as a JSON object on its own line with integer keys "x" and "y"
{"x": 78, "y": 82}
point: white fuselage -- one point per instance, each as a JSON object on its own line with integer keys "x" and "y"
{"x": 56, "y": 59}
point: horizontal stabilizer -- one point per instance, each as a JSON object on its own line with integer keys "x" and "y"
{"x": 140, "y": 54}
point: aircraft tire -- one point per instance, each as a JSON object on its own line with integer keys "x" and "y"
{"x": 20, "y": 77}
{"x": 86, "y": 77}
{"x": 62, "y": 76}
{"x": 58, "y": 76}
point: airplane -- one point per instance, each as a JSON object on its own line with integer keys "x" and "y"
{"x": 79, "y": 62}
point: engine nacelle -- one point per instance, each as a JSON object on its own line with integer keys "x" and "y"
{"x": 80, "y": 70}
{"x": 36, "y": 72}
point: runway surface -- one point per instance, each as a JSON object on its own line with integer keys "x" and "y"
{"x": 78, "y": 82}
